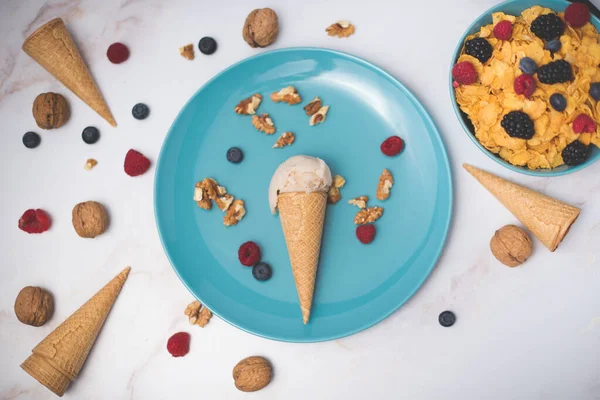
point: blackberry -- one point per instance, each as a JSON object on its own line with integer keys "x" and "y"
{"x": 558, "y": 71}
{"x": 575, "y": 153}
{"x": 548, "y": 27}
{"x": 518, "y": 125}
{"x": 479, "y": 48}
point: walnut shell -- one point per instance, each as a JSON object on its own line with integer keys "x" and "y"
{"x": 252, "y": 374}
{"x": 261, "y": 27}
{"x": 34, "y": 306}
{"x": 50, "y": 110}
{"x": 511, "y": 245}
{"x": 90, "y": 219}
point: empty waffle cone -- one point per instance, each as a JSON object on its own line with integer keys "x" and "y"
{"x": 547, "y": 218}
{"x": 57, "y": 360}
{"x": 53, "y": 48}
{"x": 302, "y": 216}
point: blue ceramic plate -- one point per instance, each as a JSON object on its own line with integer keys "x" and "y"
{"x": 514, "y": 7}
{"x": 357, "y": 285}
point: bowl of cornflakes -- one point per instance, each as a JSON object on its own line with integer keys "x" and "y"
{"x": 525, "y": 79}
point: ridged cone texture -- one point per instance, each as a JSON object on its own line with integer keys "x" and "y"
{"x": 57, "y": 360}
{"x": 53, "y": 48}
{"x": 547, "y": 218}
{"x": 302, "y": 216}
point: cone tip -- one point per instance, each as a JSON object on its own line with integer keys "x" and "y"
{"x": 126, "y": 271}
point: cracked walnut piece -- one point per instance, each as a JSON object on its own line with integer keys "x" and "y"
{"x": 334, "y": 195}
{"x": 209, "y": 190}
{"x": 248, "y": 106}
{"x": 319, "y": 116}
{"x": 287, "y": 95}
{"x": 360, "y": 202}
{"x": 198, "y": 314}
{"x": 187, "y": 51}
{"x": 264, "y": 123}
{"x": 314, "y": 106}
{"x": 385, "y": 184}
{"x": 236, "y": 212}
{"x": 285, "y": 139}
{"x": 368, "y": 215}
{"x": 340, "y": 29}
{"x": 89, "y": 164}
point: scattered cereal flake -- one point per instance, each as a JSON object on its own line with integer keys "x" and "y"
{"x": 286, "y": 95}
{"x": 386, "y": 180}
{"x": 89, "y": 164}
{"x": 249, "y": 106}
{"x": 319, "y": 116}
{"x": 235, "y": 213}
{"x": 368, "y": 215}
{"x": 340, "y": 29}
{"x": 360, "y": 202}
{"x": 263, "y": 123}
{"x": 187, "y": 51}
{"x": 285, "y": 139}
{"x": 314, "y": 106}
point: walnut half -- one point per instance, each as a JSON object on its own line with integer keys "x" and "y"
{"x": 368, "y": 215}
{"x": 285, "y": 139}
{"x": 340, "y": 29}
{"x": 385, "y": 184}
{"x": 248, "y": 106}
{"x": 263, "y": 123}
{"x": 319, "y": 116}
{"x": 286, "y": 95}
{"x": 198, "y": 314}
{"x": 314, "y": 106}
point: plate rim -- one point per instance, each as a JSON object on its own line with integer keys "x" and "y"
{"x": 444, "y": 161}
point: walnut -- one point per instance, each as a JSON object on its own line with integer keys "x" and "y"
{"x": 34, "y": 306}
{"x": 252, "y": 374}
{"x": 368, "y": 215}
{"x": 385, "y": 184}
{"x": 89, "y": 164}
{"x": 201, "y": 198}
{"x": 285, "y": 139}
{"x": 235, "y": 213}
{"x": 198, "y": 314}
{"x": 334, "y": 195}
{"x": 248, "y": 106}
{"x": 224, "y": 202}
{"x": 187, "y": 51}
{"x": 340, "y": 29}
{"x": 360, "y": 202}
{"x": 319, "y": 116}
{"x": 511, "y": 245}
{"x": 287, "y": 95}
{"x": 90, "y": 219}
{"x": 50, "y": 110}
{"x": 261, "y": 27}
{"x": 264, "y": 123}
{"x": 314, "y": 106}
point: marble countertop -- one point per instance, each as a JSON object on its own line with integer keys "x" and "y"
{"x": 525, "y": 333}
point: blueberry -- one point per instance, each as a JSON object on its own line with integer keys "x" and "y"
{"x": 140, "y": 111}
{"x": 31, "y": 140}
{"x": 90, "y": 135}
{"x": 595, "y": 91}
{"x": 553, "y": 45}
{"x": 447, "y": 319}
{"x": 207, "y": 45}
{"x": 235, "y": 155}
{"x": 558, "y": 102}
{"x": 528, "y": 66}
{"x": 262, "y": 271}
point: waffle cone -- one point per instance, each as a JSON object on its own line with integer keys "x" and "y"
{"x": 57, "y": 359}
{"x": 53, "y": 48}
{"x": 547, "y": 218}
{"x": 302, "y": 216}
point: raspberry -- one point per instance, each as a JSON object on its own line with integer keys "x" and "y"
{"x": 455, "y": 84}
{"x": 583, "y": 123}
{"x": 392, "y": 146}
{"x": 179, "y": 344}
{"x": 34, "y": 221}
{"x": 525, "y": 85}
{"x": 503, "y": 30}
{"x": 117, "y": 53}
{"x": 365, "y": 233}
{"x": 464, "y": 73}
{"x": 249, "y": 254}
{"x": 577, "y": 15}
{"x": 136, "y": 163}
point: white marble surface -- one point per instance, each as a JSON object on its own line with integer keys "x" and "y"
{"x": 524, "y": 333}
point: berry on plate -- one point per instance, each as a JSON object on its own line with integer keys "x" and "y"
{"x": 503, "y": 30}
{"x": 178, "y": 345}
{"x": 31, "y": 140}
{"x": 136, "y": 163}
{"x": 464, "y": 73}
{"x": 34, "y": 221}
{"x": 584, "y": 124}
{"x": 249, "y": 254}
{"x": 577, "y": 15}
{"x": 392, "y": 146}
{"x": 262, "y": 271}
{"x": 525, "y": 85}
{"x": 235, "y": 155}
{"x": 365, "y": 233}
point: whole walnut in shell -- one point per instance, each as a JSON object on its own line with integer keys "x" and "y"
{"x": 34, "y": 306}
{"x": 90, "y": 219}
{"x": 50, "y": 110}
{"x": 252, "y": 374}
{"x": 261, "y": 27}
{"x": 511, "y": 245}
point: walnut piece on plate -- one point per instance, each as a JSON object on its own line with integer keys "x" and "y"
{"x": 248, "y": 106}
{"x": 368, "y": 215}
{"x": 313, "y": 106}
{"x": 340, "y": 29}
{"x": 285, "y": 139}
{"x": 385, "y": 184}
{"x": 287, "y": 95}
{"x": 319, "y": 116}
{"x": 235, "y": 213}
{"x": 360, "y": 202}
{"x": 263, "y": 123}
{"x": 334, "y": 195}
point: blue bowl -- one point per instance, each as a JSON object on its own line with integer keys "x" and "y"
{"x": 514, "y": 7}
